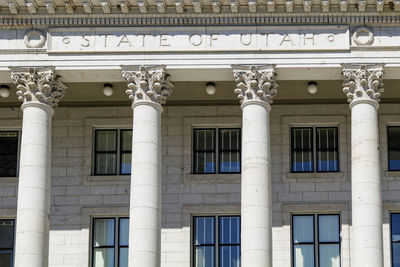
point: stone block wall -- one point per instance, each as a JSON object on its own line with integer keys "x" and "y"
{"x": 78, "y": 196}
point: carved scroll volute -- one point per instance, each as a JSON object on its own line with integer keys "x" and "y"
{"x": 255, "y": 83}
{"x": 149, "y": 84}
{"x": 363, "y": 82}
{"x": 39, "y": 85}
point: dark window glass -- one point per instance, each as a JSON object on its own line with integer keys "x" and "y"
{"x": 106, "y": 152}
{"x": 327, "y": 149}
{"x": 6, "y": 243}
{"x": 394, "y": 148}
{"x": 302, "y": 149}
{"x": 107, "y": 251}
{"x": 304, "y": 243}
{"x": 229, "y": 150}
{"x": 229, "y": 241}
{"x": 204, "y": 241}
{"x": 8, "y": 153}
{"x": 126, "y": 151}
{"x": 395, "y": 237}
{"x": 204, "y": 151}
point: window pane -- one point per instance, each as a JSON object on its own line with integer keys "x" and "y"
{"x": 103, "y": 257}
{"x": 8, "y": 154}
{"x": 124, "y": 231}
{"x": 103, "y": 232}
{"x": 327, "y": 138}
{"x": 204, "y": 230}
{"x": 106, "y": 163}
{"x": 6, "y": 234}
{"x": 302, "y": 138}
{"x": 303, "y": 228}
{"x": 329, "y": 255}
{"x": 394, "y": 160}
{"x": 303, "y": 256}
{"x": 204, "y": 139}
{"x": 230, "y": 139}
{"x": 204, "y": 162}
{"x": 327, "y": 161}
{"x": 395, "y": 227}
{"x": 123, "y": 257}
{"x": 204, "y": 256}
{"x": 229, "y": 162}
{"x": 302, "y": 161}
{"x": 328, "y": 229}
{"x": 229, "y": 256}
{"x": 6, "y": 258}
{"x": 126, "y": 163}
{"x": 394, "y": 137}
{"x": 106, "y": 140}
{"x": 396, "y": 255}
{"x": 229, "y": 230}
{"x": 126, "y": 140}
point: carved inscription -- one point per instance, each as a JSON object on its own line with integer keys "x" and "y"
{"x": 199, "y": 39}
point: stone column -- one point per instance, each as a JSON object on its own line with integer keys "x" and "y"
{"x": 255, "y": 87}
{"x": 148, "y": 88}
{"x": 40, "y": 90}
{"x": 363, "y": 86}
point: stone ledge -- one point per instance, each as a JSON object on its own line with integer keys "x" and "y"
{"x": 213, "y": 176}
{"x": 315, "y": 175}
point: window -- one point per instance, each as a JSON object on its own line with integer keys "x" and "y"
{"x": 395, "y": 238}
{"x": 212, "y": 155}
{"x": 316, "y": 246}
{"x": 113, "y": 151}
{"x": 394, "y": 148}
{"x": 216, "y": 245}
{"x": 6, "y": 242}
{"x": 110, "y": 242}
{"x": 319, "y": 154}
{"x": 9, "y": 153}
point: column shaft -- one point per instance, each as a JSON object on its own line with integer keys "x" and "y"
{"x": 366, "y": 247}
{"x": 256, "y": 187}
{"x": 32, "y": 227}
{"x": 145, "y": 204}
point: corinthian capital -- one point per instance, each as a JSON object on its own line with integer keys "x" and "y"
{"x": 363, "y": 82}
{"x": 255, "y": 83}
{"x": 39, "y": 85}
{"x": 149, "y": 84}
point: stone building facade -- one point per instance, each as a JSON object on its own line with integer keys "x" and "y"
{"x": 199, "y": 134}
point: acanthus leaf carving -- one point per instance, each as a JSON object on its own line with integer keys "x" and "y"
{"x": 363, "y": 82}
{"x": 38, "y": 85}
{"x": 255, "y": 83}
{"x": 147, "y": 83}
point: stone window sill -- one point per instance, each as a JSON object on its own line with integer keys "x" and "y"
{"x": 315, "y": 175}
{"x": 212, "y": 176}
{"x": 8, "y": 179}
{"x": 108, "y": 178}
{"x": 392, "y": 174}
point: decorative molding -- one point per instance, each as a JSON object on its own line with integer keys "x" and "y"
{"x": 161, "y": 6}
{"x": 32, "y": 7}
{"x": 31, "y": 42}
{"x": 50, "y": 7}
{"x": 369, "y": 40}
{"x": 216, "y": 6}
{"x": 105, "y": 6}
{"x": 197, "y": 6}
{"x": 179, "y": 6}
{"x": 147, "y": 83}
{"x": 252, "y": 6}
{"x": 124, "y": 6}
{"x": 363, "y": 83}
{"x": 39, "y": 85}
{"x": 13, "y": 8}
{"x": 255, "y": 83}
{"x": 234, "y": 6}
{"x": 69, "y": 7}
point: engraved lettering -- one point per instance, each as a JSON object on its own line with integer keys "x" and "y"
{"x": 124, "y": 40}
{"x": 164, "y": 40}
{"x": 195, "y": 39}
{"x": 308, "y": 38}
{"x": 286, "y": 38}
{"x": 105, "y": 38}
{"x": 267, "y": 37}
{"x": 245, "y": 39}
{"x": 213, "y": 37}
{"x": 143, "y": 37}
{"x": 85, "y": 40}
{"x": 331, "y": 38}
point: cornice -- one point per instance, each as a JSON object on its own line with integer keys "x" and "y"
{"x": 261, "y": 18}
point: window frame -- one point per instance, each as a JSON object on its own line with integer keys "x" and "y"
{"x": 316, "y": 242}
{"x": 118, "y": 152}
{"x": 391, "y": 238}
{"x": 217, "y": 149}
{"x": 19, "y": 137}
{"x": 216, "y": 244}
{"x": 116, "y": 246}
{"x": 314, "y": 147}
{"x": 388, "y": 147}
{"x": 13, "y": 244}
